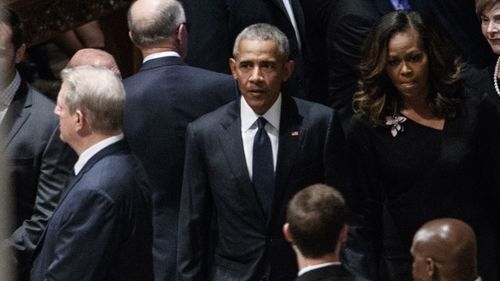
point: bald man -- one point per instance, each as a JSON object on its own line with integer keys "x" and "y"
{"x": 95, "y": 57}
{"x": 444, "y": 250}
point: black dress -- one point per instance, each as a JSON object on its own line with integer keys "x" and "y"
{"x": 423, "y": 174}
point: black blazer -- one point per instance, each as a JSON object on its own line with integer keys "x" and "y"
{"x": 101, "y": 229}
{"x": 162, "y": 98}
{"x": 328, "y": 273}
{"x": 38, "y": 164}
{"x": 249, "y": 246}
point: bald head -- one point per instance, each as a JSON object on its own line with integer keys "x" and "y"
{"x": 94, "y": 57}
{"x": 444, "y": 249}
{"x": 154, "y": 22}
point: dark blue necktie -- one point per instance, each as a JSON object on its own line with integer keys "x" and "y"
{"x": 263, "y": 168}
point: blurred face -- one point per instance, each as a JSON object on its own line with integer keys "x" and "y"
{"x": 490, "y": 26}
{"x": 66, "y": 119}
{"x": 260, "y": 71}
{"x": 7, "y": 56}
{"x": 407, "y": 64}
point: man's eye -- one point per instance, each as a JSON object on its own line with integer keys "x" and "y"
{"x": 484, "y": 19}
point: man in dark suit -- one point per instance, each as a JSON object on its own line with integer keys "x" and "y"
{"x": 162, "y": 98}
{"x": 216, "y": 23}
{"x": 316, "y": 228}
{"x": 37, "y": 163}
{"x": 244, "y": 161}
{"x": 101, "y": 229}
{"x": 445, "y": 249}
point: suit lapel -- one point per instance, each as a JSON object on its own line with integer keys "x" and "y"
{"x": 232, "y": 146}
{"x": 18, "y": 112}
{"x": 290, "y": 139}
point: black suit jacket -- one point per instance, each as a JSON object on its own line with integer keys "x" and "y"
{"x": 328, "y": 273}
{"x": 101, "y": 229}
{"x": 162, "y": 98}
{"x": 217, "y": 188}
{"x": 216, "y": 23}
{"x": 37, "y": 163}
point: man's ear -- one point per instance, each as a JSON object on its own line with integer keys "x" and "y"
{"x": 430, "y": 267}
{"x": 286, "y": 233}
{"x": 233, "y": 67}
{"x": 20, "y": 52}
{"x": 288, "y": 69}
{"x": 343, "y": 233}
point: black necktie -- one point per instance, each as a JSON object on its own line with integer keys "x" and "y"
{"x": 263, "y": 168}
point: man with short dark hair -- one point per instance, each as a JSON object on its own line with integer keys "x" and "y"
{"x": 445, "y": 250}
{"x": 37, "y": 163}
{"x": 162, "y": 98}
{"x": 101, "y": 229}
{"x": 244, "y": 161}
{"x": 315, "y": 225}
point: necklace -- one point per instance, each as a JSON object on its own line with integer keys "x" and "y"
{"x": 495, "y": 75}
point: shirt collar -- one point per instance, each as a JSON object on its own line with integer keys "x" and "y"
{"x": 313, "y": 267}
{"x": 248, "y": 116}
{"x": 161, "y": 55}
{"x": 93, "y": 150}
{"x": 8, "y": 93}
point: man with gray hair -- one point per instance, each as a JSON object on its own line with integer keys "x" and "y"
{"x": 244, "y": 162}
{"x": 101, "y": 229}
{"x": 162, "y": 98}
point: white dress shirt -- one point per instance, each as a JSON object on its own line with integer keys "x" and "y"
{"x": 249, "y": 129}
{"x": 91, "y": 151}
{"x": 161, "y": 55}
{"x": 313, "y": 267}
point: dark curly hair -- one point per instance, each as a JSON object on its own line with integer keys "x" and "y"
{"x": 377, "y": 97}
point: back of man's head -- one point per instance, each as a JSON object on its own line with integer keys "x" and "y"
{"x": 444, "y": 249}
{"x": 315, "y": 218}
{"x": 95, "y": 57}
{"x": 153, "y": 22}
{"x": 97, "y": 92}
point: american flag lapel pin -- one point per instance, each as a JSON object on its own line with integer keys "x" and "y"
{"x": 295, "y": 133}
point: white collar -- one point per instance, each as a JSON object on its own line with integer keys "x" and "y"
{"x": 248, "y": 116}
{"x": 161, "y": 55}
{"x": 313, "y": 267}
{"x": 91, "y": 151}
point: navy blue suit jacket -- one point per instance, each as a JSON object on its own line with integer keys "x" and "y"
{"x": 217, "y": 189}
{"x": 38, "y": 164}
{"x": 162, "y": 98}
{"x": 101, "y": 229}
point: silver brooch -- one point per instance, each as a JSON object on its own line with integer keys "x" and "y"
{"x": 395, "y": 124}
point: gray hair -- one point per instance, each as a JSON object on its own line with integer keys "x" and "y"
{"x": 98, "y": 93}
{"x": 155, "y": 25}
{"x": 263, "y": 32}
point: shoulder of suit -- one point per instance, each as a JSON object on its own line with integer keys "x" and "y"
{"x": 222, "y": 113}
{"x": 312, "y": 108}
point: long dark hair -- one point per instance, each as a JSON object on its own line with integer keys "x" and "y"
{"x": 377, "y": 97}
